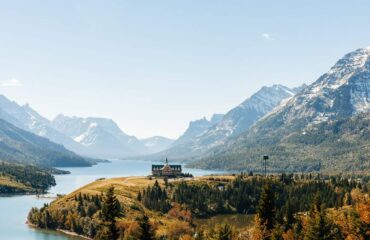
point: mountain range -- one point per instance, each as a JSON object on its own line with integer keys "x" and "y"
{"x": 92, "y": 137}
{"x": 203, "y": 135}
{"x": 325, "y": 126}
{"x": 100, "y": 136}
{"x": 157, "y": 143}
{"x": 26, "y": 118}
{"x": 197, "y": 128}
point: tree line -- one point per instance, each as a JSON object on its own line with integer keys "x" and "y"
{"x": 30, "y": 176}
{"x": 302, "y": 207}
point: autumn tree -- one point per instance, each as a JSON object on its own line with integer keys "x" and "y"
{"x": 224, "y": 232}
{"x": 319, "y": 226}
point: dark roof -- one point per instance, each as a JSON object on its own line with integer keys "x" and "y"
{"x": 161, "y": 165}
{"x": 157, "y": 165}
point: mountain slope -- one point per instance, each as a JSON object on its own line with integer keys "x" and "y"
{"x": 17, "y": 145}
{"x": 240, "y": 118}
{"x": 325, "y": 125}
{"x": 157, "y": 143}
{"x": 28, "y": 119}
{"x": 102, "y": 137}
{"x": 233, "y": 123}
{"x": 197, "y": 128}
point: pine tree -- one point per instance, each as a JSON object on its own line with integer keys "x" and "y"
{"x": 266, "y": 207}
{"x": 48, "y": 220}
{"x": 277, "y": 233}
{"x": 224, "y": 232}
{"x": 111, "y": 209}
{"x": 147, "y": 232}
{"x": 297, "y": 230}
{"x": 319, "y": 227}
{"x": 289, "y": 214}
{"x": 166, "y": 182}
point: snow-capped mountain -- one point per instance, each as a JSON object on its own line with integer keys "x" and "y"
{"x": 94, "y": 137}
{"x": 307, "y": 126}
{"x": 101, "y": 136}
{"x": 242, "y": 117}
{"x": 341, "y": 92}
{"x": 157, "y": 143}
{"x": 233, "y": 123}
{"x": 197, "y": 128}
{"x": 26, "y": 118}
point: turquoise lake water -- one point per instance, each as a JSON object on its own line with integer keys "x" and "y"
{"x": 14, "y": 209}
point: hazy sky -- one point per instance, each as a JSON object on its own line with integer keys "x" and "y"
{"x": 153, "y": 66}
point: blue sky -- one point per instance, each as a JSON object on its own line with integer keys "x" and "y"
{"x": 153, "y": 66}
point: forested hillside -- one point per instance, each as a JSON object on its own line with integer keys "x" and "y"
{"x": 338, "y": 145}
{"x": 166, "y": 210}
{"x": 19, "y": 178}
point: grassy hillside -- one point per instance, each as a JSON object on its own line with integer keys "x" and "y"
{"x": 19, "y": 178}
{"x": 126, "y": 190}
{"x": 171, "y": 207}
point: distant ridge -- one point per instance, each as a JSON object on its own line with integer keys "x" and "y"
{"x": 20, "y": 146}
{"x": 157, "y": 143}
{"x": 100, "y": 136}
{"x": 238, "y": 120}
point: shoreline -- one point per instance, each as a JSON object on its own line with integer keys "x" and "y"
{"x": 73, "y": 234}
{"x": 58, "y": 230}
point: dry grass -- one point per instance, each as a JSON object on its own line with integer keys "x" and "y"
{"x": 126, "y": 190}
{"x": 7, "y": 181}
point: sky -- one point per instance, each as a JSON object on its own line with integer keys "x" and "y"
{"x": 153, "y": 66}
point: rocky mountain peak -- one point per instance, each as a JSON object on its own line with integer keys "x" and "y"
{"x": 343, "y": 91}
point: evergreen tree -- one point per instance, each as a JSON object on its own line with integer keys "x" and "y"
{"x": 165, "y": 182}
{"x": 111, "y": 209}
{"x": 224, "y": 232}
{"x": 319, "y": 227}
{"x": 147, "y": 232}
{"x": 266, "y": 207}
{"x": 289, "y": 214}
{"x": 297, "y": 230}
{"x": 277, "y": 233}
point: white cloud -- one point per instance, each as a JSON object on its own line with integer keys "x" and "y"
{"x": 11, "y": 83}
{"x": 267, "y": 37}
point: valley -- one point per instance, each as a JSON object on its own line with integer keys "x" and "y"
{"x": 185, "y": 120}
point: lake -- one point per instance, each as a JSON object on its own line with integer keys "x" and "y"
{"x": 14, "y": 209}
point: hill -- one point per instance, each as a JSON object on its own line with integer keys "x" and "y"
{"x": 166, "y": 210}
{"x": 20, "y": 178}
